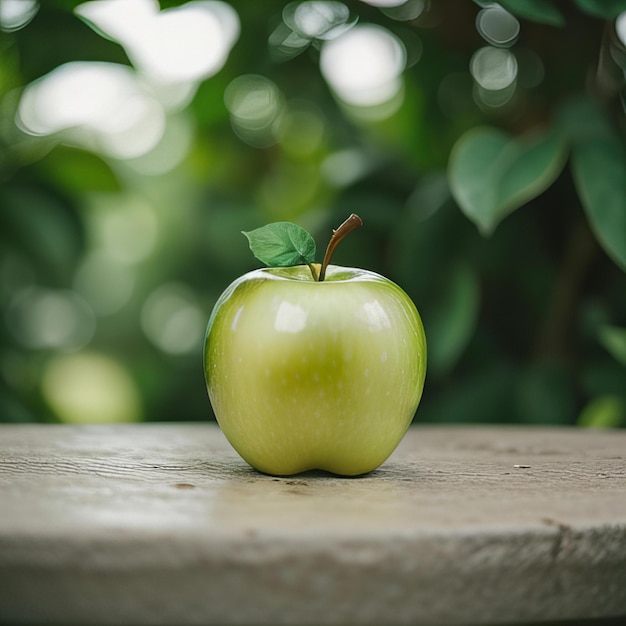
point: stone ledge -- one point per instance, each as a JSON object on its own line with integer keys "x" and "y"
{"x": 164, "y": 524}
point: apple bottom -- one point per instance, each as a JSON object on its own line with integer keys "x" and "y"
{"x": 316, "y": 412}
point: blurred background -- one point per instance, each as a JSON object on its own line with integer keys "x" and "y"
{"x": 482, "y": 143}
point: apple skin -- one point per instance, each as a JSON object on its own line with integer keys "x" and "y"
{"x": 307, "y": 375}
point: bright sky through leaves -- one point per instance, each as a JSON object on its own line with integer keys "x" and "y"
{"x": 124, "y": 111}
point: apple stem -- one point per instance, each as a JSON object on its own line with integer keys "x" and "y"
{"x": 315, "y": 270}
{"x": 352, "y": 223}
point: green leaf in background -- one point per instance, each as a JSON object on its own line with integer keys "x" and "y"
{"x": 603, "y": 412}
{"x": 491, "y": 174}
{"x": 543, "y": 11}
{"x": 471, "y": 174}
{"x": 281, "y": 244}
{"x": 599, "y": 170}
{"x": 607, "y": 9}
{"x": 613, "y": 339}
{"x": 450, "y": 325}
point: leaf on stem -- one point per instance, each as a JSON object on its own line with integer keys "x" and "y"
{"x": 281, "y": 244}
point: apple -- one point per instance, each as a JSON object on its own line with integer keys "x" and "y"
{"x": 309, "y": 374}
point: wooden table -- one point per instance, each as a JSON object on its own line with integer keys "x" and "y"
{"x": 165, "y": 524}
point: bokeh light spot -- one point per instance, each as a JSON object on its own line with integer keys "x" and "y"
{"x": 105, "y": 282}
{"x": 497, "y": 26}
{"x": 172, "y": 320}
{"x": 90, "y": 388}
{"x": 345, "y": 167}
{"x": 187, "y": 43}
{"x": 99, "y": 106}
{"x": 184, "y": 43}
{"x": 402, "y": 10}
{"x": 285, "y": 44}
{"x": 15, "y": 14}
{"x": 620, "y": 27}
{"x": 385, "y": 3}
{"x": 495, "y": 74}
{"x": 50, "y": 319}
{"x": 493, "y": 68}
{"x": 317, "y": 20}
{"x": 364, "y": 66}
{"x": 255, "y": 103}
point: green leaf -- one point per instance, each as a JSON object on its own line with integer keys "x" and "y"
{"x": 281, "y": 244}
{"x": 543, "y": 11}
{"x": 607, "y": 9}
{"x": 599, "y": 170}
{"x": 491, "y": 174}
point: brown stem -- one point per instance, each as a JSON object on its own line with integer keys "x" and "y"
{"x": 352, "y": 223}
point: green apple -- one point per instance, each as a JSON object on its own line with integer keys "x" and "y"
{"x": 306, "y": 374}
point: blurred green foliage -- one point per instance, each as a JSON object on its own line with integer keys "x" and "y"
{"x": 504, "y": 220}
